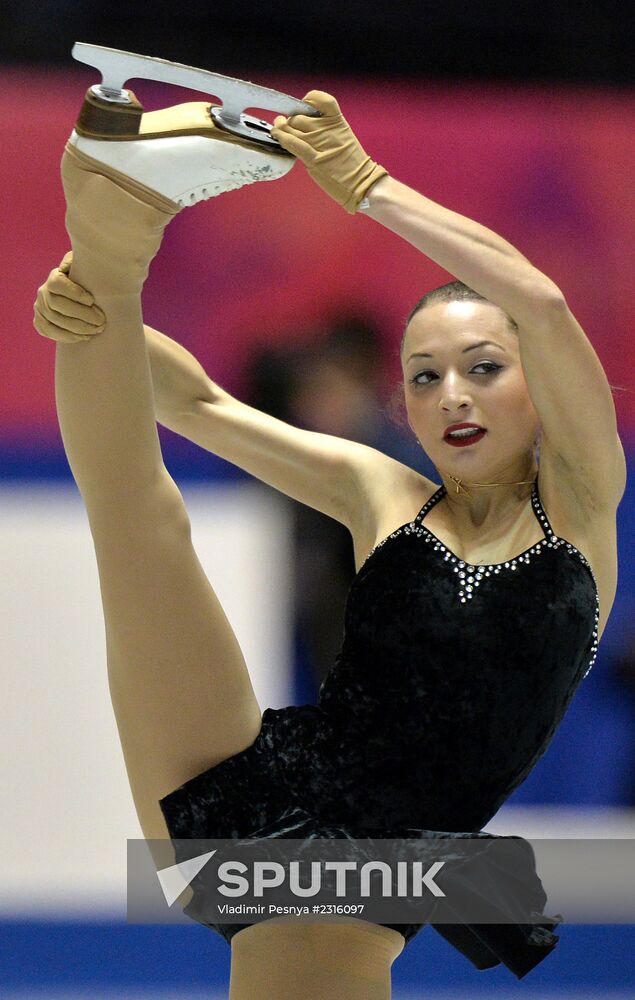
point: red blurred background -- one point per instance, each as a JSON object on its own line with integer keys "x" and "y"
{"x": 549, "y": 169}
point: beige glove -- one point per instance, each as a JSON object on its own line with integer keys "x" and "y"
{"x": 65, "y": 311}
{"x": 330, "y": 151}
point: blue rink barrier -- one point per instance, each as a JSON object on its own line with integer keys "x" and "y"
{"x": 82, "y": 957}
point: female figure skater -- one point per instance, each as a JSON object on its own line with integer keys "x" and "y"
{"x": 478, "y": 603}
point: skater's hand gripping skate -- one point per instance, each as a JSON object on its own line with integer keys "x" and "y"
{"x": 330, "y": 151}
{"x": 64, "y": 310}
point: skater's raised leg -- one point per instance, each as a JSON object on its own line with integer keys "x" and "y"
{"x": 180, "y": 687}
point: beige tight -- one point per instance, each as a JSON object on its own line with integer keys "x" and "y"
{"x": 180, "y": 688}
{"x": 327, "y": 961}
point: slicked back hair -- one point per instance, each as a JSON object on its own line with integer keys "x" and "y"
{"x": 454, "y": 291}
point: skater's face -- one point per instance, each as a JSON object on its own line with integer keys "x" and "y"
{"x": 462, "y": 383}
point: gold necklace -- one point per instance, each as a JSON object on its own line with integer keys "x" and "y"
{"x": 459, "y": 484}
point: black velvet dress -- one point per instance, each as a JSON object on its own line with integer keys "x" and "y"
{"x": 450, "y": 684}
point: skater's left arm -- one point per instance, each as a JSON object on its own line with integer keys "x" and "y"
{"x": 565, "y": 378}
{"x": 474, "y": 254}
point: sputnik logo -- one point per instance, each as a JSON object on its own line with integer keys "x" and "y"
{"x": 176, "y": 878}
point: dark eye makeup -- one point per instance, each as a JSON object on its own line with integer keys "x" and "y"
{"x": 492, "y": 368}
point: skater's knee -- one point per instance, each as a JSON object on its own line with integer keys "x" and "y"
{"x": 135, "y": 514}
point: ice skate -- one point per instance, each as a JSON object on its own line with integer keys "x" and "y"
{"x": 185, "y": 153}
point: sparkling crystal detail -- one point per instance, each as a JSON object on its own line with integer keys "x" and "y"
{"x": 459, "y": 566}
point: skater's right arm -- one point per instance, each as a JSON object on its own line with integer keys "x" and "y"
{"x": 346, "y": 480}
{"x": 351, "y": 482}
{"x": 321, "y": 470}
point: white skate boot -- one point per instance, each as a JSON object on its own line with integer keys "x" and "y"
{"x": 186, "y": 153}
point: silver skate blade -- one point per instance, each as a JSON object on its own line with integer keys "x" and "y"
{"x": 117, "y": 67}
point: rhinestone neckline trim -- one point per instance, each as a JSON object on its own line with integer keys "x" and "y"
{"x": 470, "y": 575}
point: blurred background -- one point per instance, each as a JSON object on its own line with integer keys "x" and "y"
{"x": 519, "y": 116}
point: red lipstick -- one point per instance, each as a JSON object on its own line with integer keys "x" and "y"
{"x": 462, "y": 440}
